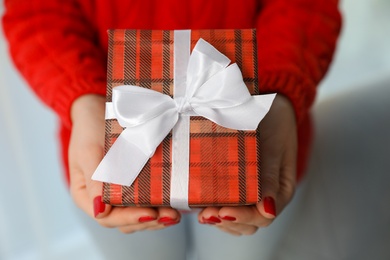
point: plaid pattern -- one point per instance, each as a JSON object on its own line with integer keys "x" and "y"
{"x": 224, "y": 163}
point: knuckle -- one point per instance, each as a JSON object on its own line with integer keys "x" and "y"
{"x": 287, "y": 189}
{"x": 250, "y": 232}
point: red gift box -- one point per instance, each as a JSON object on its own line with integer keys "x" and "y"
{"x": 224, "y": 164}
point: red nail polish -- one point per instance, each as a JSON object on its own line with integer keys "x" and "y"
{"x": 211, "y": 220}
{"x": 269, "y": 205}
{"x": 229, "y": 218}
{"x": 98, "y": 205}
{"x": 146, "y": 219}
{"x": 165, "y": 220}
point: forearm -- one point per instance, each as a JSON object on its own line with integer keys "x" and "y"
{"x": 54, "y": 48}
{"x": 296, "y": 42}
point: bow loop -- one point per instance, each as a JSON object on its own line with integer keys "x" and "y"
{"x": 205, "y": 61}
{"x": 134, "y": 105}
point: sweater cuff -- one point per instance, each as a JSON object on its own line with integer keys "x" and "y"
{"x": 300, "y": 91}
{"x": 67, "y": 96}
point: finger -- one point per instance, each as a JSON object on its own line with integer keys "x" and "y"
{"x": 88, "y": 199}
{"x": 278, "y": 136}
{"x": 89, "y": 193}
{"x": 79, "y": 192}
{"x": 94, "y": 188}
{"x": 271, "y": 158}
{"x": 127, "y": 216}
{"x": 168, "y": 216}
{"x": 86, "y": 152}
{"x": 287, "y": 182}
{"x": 242, "y": 228}
{"x": 269, "y": 182}
{"x": 279, "y": 192}
{"x": 248, "y": 215}
{"x": 209, "y": 215}
{"x": 287, "y": 177}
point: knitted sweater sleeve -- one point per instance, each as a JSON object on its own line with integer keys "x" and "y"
{"x": 296, "y": 41}
{"x": 59, "y": 71}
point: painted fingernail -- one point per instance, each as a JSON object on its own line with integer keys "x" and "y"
{"x": 166, "y": 220}
{"x": 269, "y": 205}
{"x": 146, "y": 219}
{"x": 98, "y": 205}
{"x": 211, "y": 220}
{"x": 229, "y": 218}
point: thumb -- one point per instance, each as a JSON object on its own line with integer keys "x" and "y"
{"x": 100, "y": 208}
{"x": 95, "y": 188}
{"x": 270, "y": 188}
{"x": 83, "y": 160}
{"x": 85, "y": 153}
{"x": 87, "y": 194}
{"x": 278, "y": 157}
{"x": 271, "y": 151}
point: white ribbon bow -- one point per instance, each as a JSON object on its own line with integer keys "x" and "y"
{"x": 214, "y": 90}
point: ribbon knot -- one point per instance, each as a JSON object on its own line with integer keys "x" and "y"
{"x": 183, "y": 105}
{"x": 212, "y": 89}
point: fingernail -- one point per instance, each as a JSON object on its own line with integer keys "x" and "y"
{"x": 269, "y": 205}
{"x": 146, "y": 219}
{"x": 166, "y": 220}
{"x": 229, "y": 218}
{"x": 211, "y": 220}
{"x": 98, "y": 205}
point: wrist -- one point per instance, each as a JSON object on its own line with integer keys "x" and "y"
{"x": 86, "y": 106}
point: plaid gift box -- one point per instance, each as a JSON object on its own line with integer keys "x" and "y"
{"x": 224, "y": 164}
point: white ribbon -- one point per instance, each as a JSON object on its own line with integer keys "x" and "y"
{"x": 213, "y": 90}
{"x": 180, "y": 133}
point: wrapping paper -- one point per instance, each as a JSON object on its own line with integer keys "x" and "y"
{"x": 224, "y": 163}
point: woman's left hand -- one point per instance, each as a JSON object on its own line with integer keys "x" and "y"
{"x": 278, "y": 175}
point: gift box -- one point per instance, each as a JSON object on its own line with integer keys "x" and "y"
{"x": 223, "y": 164}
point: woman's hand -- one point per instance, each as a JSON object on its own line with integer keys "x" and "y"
{"x": 85, "y": 153}
{"x": 278, "y": 175}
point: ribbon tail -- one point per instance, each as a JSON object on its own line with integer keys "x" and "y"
{"x": 133, "y": 148}
{"x": 121, "y": 164}
{"x": 265, "y": 102}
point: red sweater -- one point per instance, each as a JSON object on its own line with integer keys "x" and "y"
{"x": 60, "y": 46}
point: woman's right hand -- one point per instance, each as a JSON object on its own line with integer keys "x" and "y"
{"x": 85, "y": 153}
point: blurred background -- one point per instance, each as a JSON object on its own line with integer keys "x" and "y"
{"x": 345, "y": 198}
